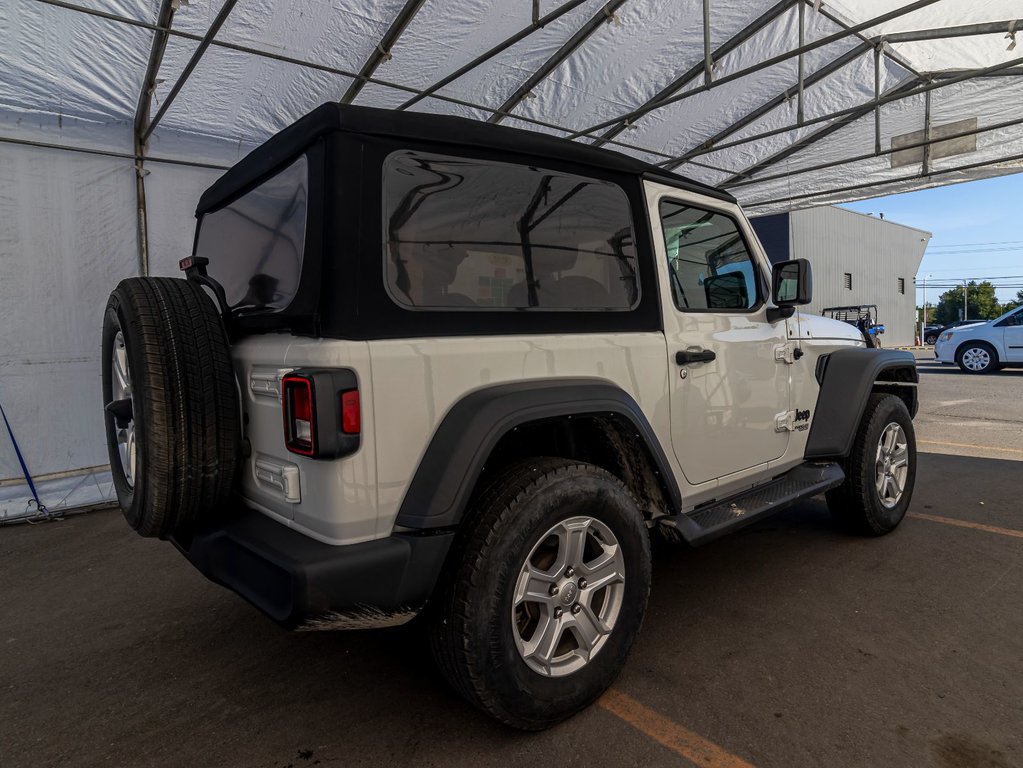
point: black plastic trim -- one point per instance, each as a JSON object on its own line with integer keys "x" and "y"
{"x": 296, "y": 580}
{"x": 846, "y": 382}
{"x": 440, "y": 490}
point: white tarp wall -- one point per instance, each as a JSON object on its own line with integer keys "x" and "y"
{"x": 710, "y": 87}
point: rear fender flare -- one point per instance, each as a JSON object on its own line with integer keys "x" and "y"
{"x": 441, "y": 488}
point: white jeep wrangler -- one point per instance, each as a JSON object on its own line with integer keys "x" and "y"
{"x": 424, "y": 365}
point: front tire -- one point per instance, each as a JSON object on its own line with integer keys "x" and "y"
{"x": 977, "y": 357}
{"x": 546, "y": 595}
{"x": 880, "y": 471}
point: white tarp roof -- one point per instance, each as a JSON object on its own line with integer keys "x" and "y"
{"x": 721, "y": 100}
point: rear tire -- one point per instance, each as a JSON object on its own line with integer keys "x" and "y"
{"x": 171, "y": 404}
{"x": 880, "y": 471}
{"x": 510, "y": 625}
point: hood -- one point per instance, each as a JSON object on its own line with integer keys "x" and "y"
{"x": 803, "y": 326}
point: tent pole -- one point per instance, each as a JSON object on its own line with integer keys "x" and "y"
{"x": 927, "y": 134}
{"x": 765, "y": 64}
{"x": 751, "y": 117}
{"x": 708, "y": 63}
{"x": 870, "y": 155}
{"x": 693, "y": 72}
{"x": 802, "y": 42}
{"x": 872, "y": 184}
{"x": 218, "y": 22}
{"x": 164, "y": 20}
{"x": 852, "y": 113}
{"x": 108, "y": 153}
{"x": 606, "y": 13}
{"x": 504, "y": 45}
{"x": 877, "y": 98}
{"x": 383, "y": 50}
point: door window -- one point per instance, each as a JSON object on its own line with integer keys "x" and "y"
{"x": 709, "y": 265}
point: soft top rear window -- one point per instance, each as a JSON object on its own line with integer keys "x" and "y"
{"x": 255, "y": 245}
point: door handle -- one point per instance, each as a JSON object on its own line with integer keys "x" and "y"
{"x": 698, "y": 356}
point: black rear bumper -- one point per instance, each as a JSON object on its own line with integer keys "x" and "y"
{"x": 301, "y": 582}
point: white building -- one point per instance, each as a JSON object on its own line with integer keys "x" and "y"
{"x": 856, "y": 259}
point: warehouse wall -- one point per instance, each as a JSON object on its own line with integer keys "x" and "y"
{"x": 874, "y": 252}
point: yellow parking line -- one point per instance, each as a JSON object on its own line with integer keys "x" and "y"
{"x": 969, "y": 445}
{"x": 675, "y": 737}
{"x": 966, "y": 524}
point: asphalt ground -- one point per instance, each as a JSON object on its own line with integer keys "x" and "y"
{"x": 788, "y": 644}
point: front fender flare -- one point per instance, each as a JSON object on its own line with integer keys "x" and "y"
{"x": 440, "y": 489}
{"x": 847, "y": 379}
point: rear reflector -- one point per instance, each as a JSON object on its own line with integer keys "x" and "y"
{"x": 351, "y": 420}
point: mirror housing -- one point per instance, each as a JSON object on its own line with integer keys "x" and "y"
{"x": 792, "y": 283}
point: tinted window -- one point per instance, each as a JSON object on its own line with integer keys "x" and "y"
{"x": 255, "y": 244}
{"x": 708, "y": 262}
{"x": 479, "y": 234}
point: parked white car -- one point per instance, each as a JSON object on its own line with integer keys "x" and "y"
{"x": 986, "y": 347}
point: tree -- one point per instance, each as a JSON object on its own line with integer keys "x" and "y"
{"x": 1013, "y": 303}
{"x": 983, "y": 304}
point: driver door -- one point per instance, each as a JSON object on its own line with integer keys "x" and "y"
{"x": 727, "y": 387}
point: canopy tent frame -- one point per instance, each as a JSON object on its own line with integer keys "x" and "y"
{"x": 606, "y": 132}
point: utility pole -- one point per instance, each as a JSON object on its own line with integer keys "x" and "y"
{"x": 965, "y": 289}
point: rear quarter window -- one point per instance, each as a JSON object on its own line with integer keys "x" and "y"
{"x": 462, "y": 233}
{"x": 255, "y": 245}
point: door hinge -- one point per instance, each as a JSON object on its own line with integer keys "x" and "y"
{"x": 787, "y": 352}
{"x": 785, "y": 422}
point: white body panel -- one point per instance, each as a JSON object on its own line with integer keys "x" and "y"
{"x": 716, "y": 427}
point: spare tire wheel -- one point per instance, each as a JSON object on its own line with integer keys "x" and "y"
{"x": 171, "y": 404}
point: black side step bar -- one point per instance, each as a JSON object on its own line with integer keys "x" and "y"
{"x": 716, "y": 518}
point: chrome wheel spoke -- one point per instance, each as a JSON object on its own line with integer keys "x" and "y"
{"x": 603, "y": 570}
{"x": 533, "y": 586}
{"x": 121, "y": 409}
{"x": 568, "y": 595}
{"x": 891, "y": 465}
{"x": 545, "y": 640}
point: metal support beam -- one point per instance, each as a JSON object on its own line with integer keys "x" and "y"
{"x": 164, "y": 19}
{"x": 802, "y": 42}
{"x": 877, "y": 97}
{"x": 693, "y": 72}
{"x": 204, "y": 43}
{"x": 927, "y": 133}
{"x": 571, "y": 45}
{"x": 944, "y": 33}
{"x": 771, "y": 104}
{"x": 853, "y": 113}
{"x": 258, "y": 53}
{"x": 708, "y": 62}
{"x": 888, "y": 52}
{"x": 765, "y": 64}
{"x": 873, "y": 184}
{"x": 871, "y": 155}
{"x": 523, "y": 33}
{"x": 107, "y": 153}
{"x": 383, "y": 50}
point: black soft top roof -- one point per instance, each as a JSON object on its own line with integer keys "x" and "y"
{"x": 327, "y": 118}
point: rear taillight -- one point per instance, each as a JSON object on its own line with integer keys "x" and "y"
{"x": 299, "y": 415}
{"x": 322, "y": 412}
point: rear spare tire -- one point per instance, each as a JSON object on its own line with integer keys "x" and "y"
{"x": 170, "y": 404}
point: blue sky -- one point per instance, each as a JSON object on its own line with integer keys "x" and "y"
{"x": 977, "y": 228}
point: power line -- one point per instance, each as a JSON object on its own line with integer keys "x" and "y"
{"x": 964, "y": 245}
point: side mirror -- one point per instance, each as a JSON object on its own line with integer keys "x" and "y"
{"x": 792, "y": 283}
